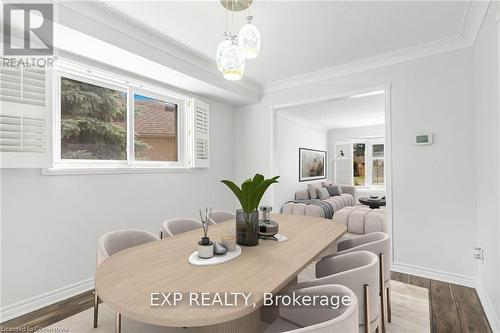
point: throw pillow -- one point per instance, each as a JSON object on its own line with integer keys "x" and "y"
{"x": 333, "y": 190}
{"x": 313, "y": 191}
{"x": 323, "y": 193}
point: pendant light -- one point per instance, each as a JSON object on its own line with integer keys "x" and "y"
{"x": 232, "y": 61}
{"x": 249, "y": 39}
{"x": 231, "y": 53}
{"x": 223, "y": 46}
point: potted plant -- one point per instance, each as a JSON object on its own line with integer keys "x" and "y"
{"x": 247, "y": 218}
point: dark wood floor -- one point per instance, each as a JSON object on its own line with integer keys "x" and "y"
{"x": 453, "y": 308}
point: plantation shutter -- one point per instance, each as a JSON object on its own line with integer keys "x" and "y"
{"x": 201, "y": 146}
{"x": 22, "y": 118}
{"x": 25, "y": 86}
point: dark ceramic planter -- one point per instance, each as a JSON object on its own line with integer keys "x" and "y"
{"x": 247, "y": 228}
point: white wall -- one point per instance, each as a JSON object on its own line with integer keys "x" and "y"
{"x": 432, "y": 229}
{"x": 290, "y": 136}
{"x": 51, "y": 224}
{"x": 487, "y": 124}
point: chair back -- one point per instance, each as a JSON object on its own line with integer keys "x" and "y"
{"x": 119, "y": 240}
{"x": 355, "y": 271}
{"x": 341, "y": 315}
{"x": 374, "y": 242}
{"x": 217, "y": 216}
{"x": 179, "y": 225}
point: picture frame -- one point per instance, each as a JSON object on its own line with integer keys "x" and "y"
{"x": 312, "y": 164}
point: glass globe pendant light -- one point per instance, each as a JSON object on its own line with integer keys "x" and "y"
{"x": 220, "y": 49}
{"x": 232, "y": 61}
{"x": 249, "y": 39}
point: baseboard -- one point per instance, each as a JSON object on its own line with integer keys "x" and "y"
{"x": 436, "y": 275}
{"x": 31, "y": 304}
{"x": 489, "y": 310}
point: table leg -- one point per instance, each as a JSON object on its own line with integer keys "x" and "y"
{"x": 118, "y": 323}
{"x": 269, "y": 314}
{"x": 246, "y": 324}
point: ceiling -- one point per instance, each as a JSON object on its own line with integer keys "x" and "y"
{"x": 341, "y": 113}
{"x": 299, "y": 37}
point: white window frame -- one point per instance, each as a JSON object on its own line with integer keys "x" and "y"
{"x": 372, "y": 158}
{"x": 369, "y": 142}
{"x": 130, "y": 87}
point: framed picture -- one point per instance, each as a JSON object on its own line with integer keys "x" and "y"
{"x": 312, "y": 164}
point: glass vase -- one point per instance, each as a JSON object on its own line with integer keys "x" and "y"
{"x": 247, "y": 228}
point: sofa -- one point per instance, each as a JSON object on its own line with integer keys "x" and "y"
{"x": 361, "y": 220}
{"x": 308, "y": 201}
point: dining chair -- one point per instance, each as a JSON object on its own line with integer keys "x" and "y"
{"x": 113, "y": 242}
{"x": 378, "y": 243}
{"x": 177, "y": 226}
{"x": 357, "y": 271}
{"x": 217, "y": 216}
{"x": 319, "y": 318}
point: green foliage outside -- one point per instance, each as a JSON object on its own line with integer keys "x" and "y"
{"x": 93, "y": 122}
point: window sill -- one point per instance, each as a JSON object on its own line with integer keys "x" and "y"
{"x": 74, "y": 170}
{"x": 370, "y": 188}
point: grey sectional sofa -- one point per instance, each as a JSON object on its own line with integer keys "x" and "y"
{"x": 307, "y": 201}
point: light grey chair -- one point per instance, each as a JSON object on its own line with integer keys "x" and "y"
{"x": 378, "y": 243}
{"x": 319, "y": 319}
{"x": 177, "y": 226}
{"x": 357, "y": 271}
{"x": 116, "y": 241}
{"x": 217, "y": 216}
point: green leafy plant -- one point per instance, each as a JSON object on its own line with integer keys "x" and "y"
{"x": 251, "y": 192}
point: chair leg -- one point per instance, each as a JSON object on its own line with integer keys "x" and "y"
{"x": 389, "y": 317}
{"x": 96, "y": 308}
{"x": 367, "y": 308}
{"x": 118, "y": 323}
{"x": 382, "y": 293}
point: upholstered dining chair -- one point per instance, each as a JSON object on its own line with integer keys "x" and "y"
{"x": 217, "y": 216}
{"x": 357, "y": 271}
{"x": 378, "y": 243}
{"x": 116, "y": 241}
{"x": 319, "y": 318}
{"x": 177, "y": 226}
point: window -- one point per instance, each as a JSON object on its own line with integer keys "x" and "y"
{"x": 93, "y": 122}
{"x": 359, "y": 164}
{"x": 108, "y": 122}
{"x": 378, "y": 164}
{"x": 155, "y": 124}
{"x": 368, "y": 162}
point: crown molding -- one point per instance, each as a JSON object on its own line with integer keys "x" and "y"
{"x": 100, "y": 22}
{"x": 179, "y": 49}
{"x": 474, "y": 14}
{"x": 203, "y": 68}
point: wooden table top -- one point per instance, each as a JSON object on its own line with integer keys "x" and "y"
{"x": 125, "y": 280}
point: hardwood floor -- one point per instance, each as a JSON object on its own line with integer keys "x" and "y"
{"x": 453, "y": 308}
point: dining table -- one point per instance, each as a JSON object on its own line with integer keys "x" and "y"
{"x": 142, "y": 282}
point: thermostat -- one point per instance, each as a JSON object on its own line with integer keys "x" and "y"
{"x": 423, "y": 139}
